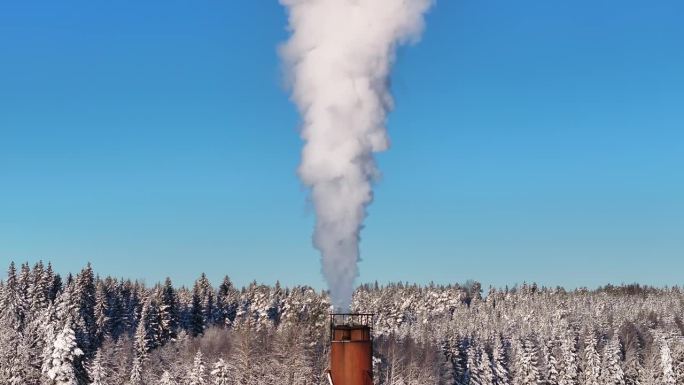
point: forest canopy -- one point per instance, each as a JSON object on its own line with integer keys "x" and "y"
{"x": 85, "y": 329}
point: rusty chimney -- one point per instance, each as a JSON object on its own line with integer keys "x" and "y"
{"x": 351, "y": 349}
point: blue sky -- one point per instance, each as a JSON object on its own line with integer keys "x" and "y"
{"x": 531, "y": 141}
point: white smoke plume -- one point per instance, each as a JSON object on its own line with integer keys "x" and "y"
{"x": 338, "y": 61}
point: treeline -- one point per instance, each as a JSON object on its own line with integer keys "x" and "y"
{"x": 84, "y": 329}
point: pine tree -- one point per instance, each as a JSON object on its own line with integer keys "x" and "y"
{"x": 473, "y": 364}
{"x": 142, "y": 341}
{"x": 243, "y": 361}
{"x": 206, "y": 293}
{"x": 197, "y": 374}
{"x": 167, "y": 379}
{"x": 30, "y": 342}
{"x": 136, "y": 377}
{"x": 48, "y": 335}
{"x": 611, "y": 371}
{"x": 290, "y": 359}
{"x": 38, "y": 291}
{"x": 153, "y": 323}
{"x": 569, "y": 373}
{"x": 53, "y": 283}
{"x": 23, "y": 292}
{"x": 84, "y": 295}
{"x": 196, "y": 322}
{"x": 552, "y": 372}
{"x": 61, "y": 369}
{"x": 132, "y": 305}
{"x": 633, "y": 366}
{"x": 447, "y": 375}
{"x": 117, "y": 310}
{"x": 23, "y": 372}
{"x": 592, "y": 361}
{"x": 11, "y": 329}
{"x": 652, "y": 373}
{"x": 12, "y": 314}
{"x": 101, "y": 313}
{"x": 485, "y": 367}
{"x": 226, "y": 303}
{"x": 168, "y": 312}
{"x": 37, "y": 341}
{"x": 678, "y": 361}
{"x": 220, "y": 373}
{"x": 460, "y": 360}
{"x": 527, "y": 365}
{"x": 500, "y": 362}
{"x": 667, "y": 369}
{"x": 97, "y": 370}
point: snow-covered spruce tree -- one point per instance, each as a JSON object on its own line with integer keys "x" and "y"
{"x": 429, "y": 361}
{"x": 226, "y": 303}
{"x": 591, "y": 366}
{"x": 55, "y": 286}
{"x": 38, "y": 319}
{"x": 259, "y": 305}
{"x": 97, "y": 370}
{"x": 119, "y": 356}
{"x": 611, "y": 370}
{"x": 526, "y": 364}
{"x": 86, "y": 325}
{"x": 136, "y": 377}
{"x": 569, "y": 373}
{"x": 485, "y": 367}
{"x": 153, "y": 323}
{"x": 678, "y": 361}
{"x": 447, "y": 376}
{"x": 196, "y": 321}
{"x": 101, "y": 313}
{"x": 49, "y": 332}
{"x": 206, "y": 294}
{"x": 11, "y": 327}
{"x": 243, "y": 363}
{"x": 552, "y": 372}
{"x": 454, "y": 363}
{"x": 419, "y": 364}
{"x": 167, "y": 379}
{"x": 118, "y": 318}
{"x": 143, "y": 341}
{"x": 220, "y": 373}
{"x": 652, "y": 373}
{"x": 473, "y": 364}
{"x": 197, "y": 375}
{"x": 668, "y": 375}
{"x": 633, "y": 366}
{"x": 37, "y": 294}
{"x": 22, "y": 371}
{"x": 61, "y": 367}
{"x": 168, "y": 312}
{"x": 132, "y": 302}
{"x": 291, "y": 356}
{"x": 500, "y": 362}
{"x": 23, "y": 286}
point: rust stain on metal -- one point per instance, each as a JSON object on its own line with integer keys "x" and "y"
{"x": 351, "y": 349}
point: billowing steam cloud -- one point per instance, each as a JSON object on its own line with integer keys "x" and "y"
{"x": 338, "y": 62}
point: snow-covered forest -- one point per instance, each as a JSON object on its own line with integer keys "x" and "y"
{"x": 85, "y": 329}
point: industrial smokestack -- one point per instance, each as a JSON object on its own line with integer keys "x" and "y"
{"x": 351, "y": 349}
{"x": 338, "y": 62}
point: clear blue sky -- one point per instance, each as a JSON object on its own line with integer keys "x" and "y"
{"x": 532, "y": 140}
